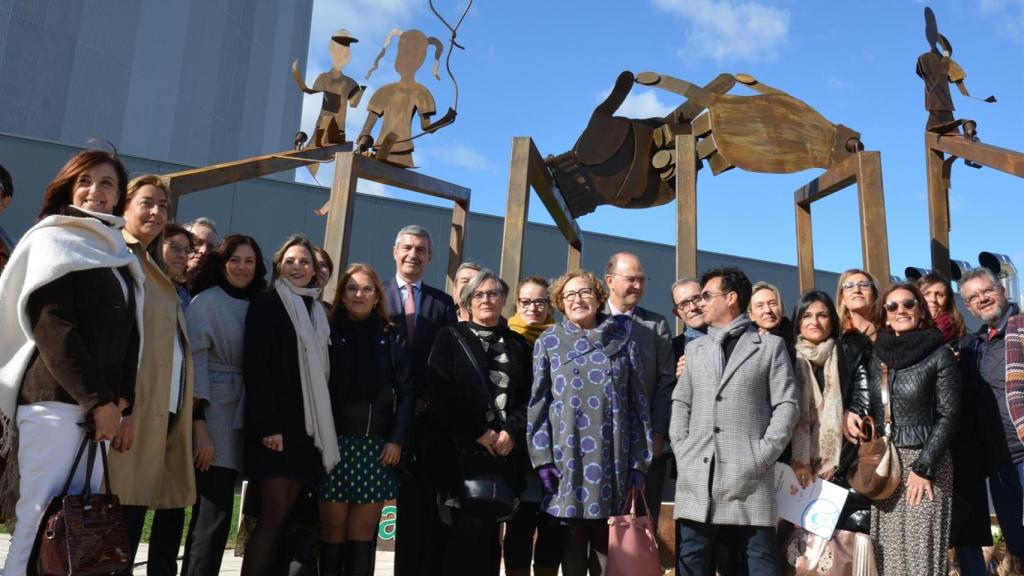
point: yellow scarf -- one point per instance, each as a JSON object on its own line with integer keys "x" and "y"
{"x": 528, "y": 331}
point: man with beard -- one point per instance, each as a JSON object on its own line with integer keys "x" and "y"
{"x": 997, "y": 402}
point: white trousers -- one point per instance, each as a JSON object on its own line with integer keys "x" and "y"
{"x": 49, "y": 437}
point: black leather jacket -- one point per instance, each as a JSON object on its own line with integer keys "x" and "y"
{"x": 925, "y": 402}
{"x": 856, "y": 354}
{"x": 390, "y": 415}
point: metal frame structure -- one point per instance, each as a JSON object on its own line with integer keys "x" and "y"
{"x": 865, "y": 170}
{"x": 349, "y": 168}
{"x": 528, "y": 171}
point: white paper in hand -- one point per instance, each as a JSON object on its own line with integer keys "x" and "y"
{"x": 815, "y": 508}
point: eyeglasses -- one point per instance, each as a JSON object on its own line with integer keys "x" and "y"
{"x": 634, "y": 280}
{"x": 538, "y": 303}
{"x": 689, "y": 303}
{"x": 863, "y": 285}
{"x": 179, "y": 249}
{"x": 584, "y": 293}
{"x": 488, "y": 295}
{"x": 707, "y": 295}
{"x": 355, "y": 290}
{"x": 983, "y": 293}
{"x": 894, "y": 305}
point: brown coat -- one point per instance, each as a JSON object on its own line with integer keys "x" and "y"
{"x": 87, "y": 341}
{"x": 157, "y": 471}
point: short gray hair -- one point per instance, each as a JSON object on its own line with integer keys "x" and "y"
{"x": 974, "y": 274}
{"x": 415, "y": 230}
{"x": 762, "y": 285}
{"x": 469, "y": 265}
{"x": 485, "y": 274}
{"x": 202, "y": 221}
{"x": 682, "y": 281}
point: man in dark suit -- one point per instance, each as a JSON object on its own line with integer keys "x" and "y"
{"x": 418, "y": 312}
{"x": 626, "y": 278}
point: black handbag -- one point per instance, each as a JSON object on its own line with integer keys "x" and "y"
{"x": 488, "y": 482}
{"x": 83, "y": 534}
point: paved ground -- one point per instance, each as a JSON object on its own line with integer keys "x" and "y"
{"x": 231, "y": 566}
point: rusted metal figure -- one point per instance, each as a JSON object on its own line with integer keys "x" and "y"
{"x": 630, "y": 163}
{"x": 939, "y": 70}
{"x": 339, "y": 91}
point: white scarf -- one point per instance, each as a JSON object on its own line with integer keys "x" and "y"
{"x": 313, "y": 336}
{"x": 817, "y": 439}
{"x": 53, "y": 248}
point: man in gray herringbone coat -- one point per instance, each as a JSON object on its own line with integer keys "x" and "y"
{"x": 733, "y": 412}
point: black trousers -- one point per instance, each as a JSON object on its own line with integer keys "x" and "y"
{"x": 655, "y": 488}
{"x": 586, "y": 548}
{"x": 164, "y": 537}
{"x": 473, "y": 546}
{"x": 420, "y": 536}
{"x": 520, "y": 550}
{"x": 210, "y": 525}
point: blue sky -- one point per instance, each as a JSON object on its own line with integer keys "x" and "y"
{"x": 538, "y": 68}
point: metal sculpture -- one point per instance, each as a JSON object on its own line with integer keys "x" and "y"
{"x": 939, "y": 70}
{"x": 339, "y": 91}
{"x": 644, "y": 162}
{"x": 630, "y": 163}
{"x": 943, "y": 136}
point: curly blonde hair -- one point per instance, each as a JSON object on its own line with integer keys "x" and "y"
{"x": 559, "y": 286}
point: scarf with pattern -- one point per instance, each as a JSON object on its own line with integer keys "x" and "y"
{"x": 818, "y": 437}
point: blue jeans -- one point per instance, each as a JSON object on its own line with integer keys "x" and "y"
{"x": 1005, "y": 484}
{"x": 695, "y": 547}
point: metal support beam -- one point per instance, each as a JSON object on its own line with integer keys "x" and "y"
{"x": 804, "y": 246}
{"x": 456, "y": 239}
{"x": 1002, "y": 159}
{"x": 686, "y": 206}
{"x": 938, "y": 210}
{"x": 339, "y": 219}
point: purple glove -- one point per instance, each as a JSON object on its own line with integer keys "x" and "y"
{"x": 637, "y": 480}
{"x": 549, "y": 477}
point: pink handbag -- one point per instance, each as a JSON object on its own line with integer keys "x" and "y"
{"x": 632, "y": 544}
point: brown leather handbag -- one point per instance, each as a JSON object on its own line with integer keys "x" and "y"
{"x": 83, "y": 534}
{"x": 877, "y": 472}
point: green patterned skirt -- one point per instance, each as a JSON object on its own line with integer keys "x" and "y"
{"x": 359, "y": 478}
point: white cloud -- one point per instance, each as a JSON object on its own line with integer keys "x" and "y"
{"x": 465, "y": 157}
{"x": 1008, "y": 13}
{"x": 639, "y": 104}
{"x": 730, "y": 30}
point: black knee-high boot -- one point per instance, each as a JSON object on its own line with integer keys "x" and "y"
{"x": 359, "y": 558}
{"x": 332, "y": 559}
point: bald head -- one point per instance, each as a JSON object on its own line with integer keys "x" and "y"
{"x": 626, "y": 278}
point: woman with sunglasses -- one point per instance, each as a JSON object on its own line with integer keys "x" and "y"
{"x": 913, "y": 376}
{"x": 521, "y": 548}
{"x": 479, "y": 384}
{"x": 587, "y": 394}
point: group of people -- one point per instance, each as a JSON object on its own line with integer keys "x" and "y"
{"x": 170, "y": 345}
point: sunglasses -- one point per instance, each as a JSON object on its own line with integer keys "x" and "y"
{"x": 908, "y": 304}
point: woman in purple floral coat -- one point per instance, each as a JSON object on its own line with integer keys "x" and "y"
{"x": 587, "y": 422}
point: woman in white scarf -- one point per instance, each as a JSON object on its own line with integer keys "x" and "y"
{"x": 289, "y": 428}
{"x": 71, "y": 307}
{"x": 818, "y": 437}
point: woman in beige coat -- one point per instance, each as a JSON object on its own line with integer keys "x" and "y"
{"x": 151, "y": 465}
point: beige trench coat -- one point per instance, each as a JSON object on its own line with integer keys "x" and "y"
{"x": 157, "y": 471}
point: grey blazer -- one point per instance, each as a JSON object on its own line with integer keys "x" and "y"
{"x": 657, "y": 362}
{"x": 733, "y": 427}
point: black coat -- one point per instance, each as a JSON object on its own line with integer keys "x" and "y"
{"x": 273, "y": 394}
{"x": 390, "y": 414}
{"x": 459, "y": 399}
{"x": 924, "y": 384}
{"x": 87, "y": 341}
{"x": 436, "y": 311}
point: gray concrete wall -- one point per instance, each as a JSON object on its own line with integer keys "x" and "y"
{"x": 270, "y": 210}
{"x": 190, "y": 81}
